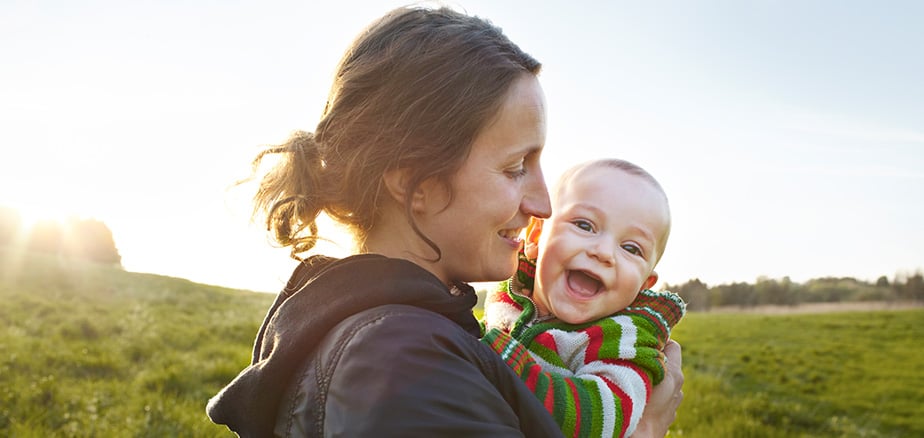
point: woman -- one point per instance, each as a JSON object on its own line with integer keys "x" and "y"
{"x": 428, "y": 150}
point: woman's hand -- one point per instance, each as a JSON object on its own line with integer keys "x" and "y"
{"x": 665, "y": 397}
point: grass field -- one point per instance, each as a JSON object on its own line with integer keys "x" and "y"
{"x": 87, "y": 350}
{"x": 94, "y": 351}
{"x": 838, "y": 374}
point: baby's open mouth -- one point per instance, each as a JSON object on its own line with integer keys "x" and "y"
{"x": 583, "y": 284}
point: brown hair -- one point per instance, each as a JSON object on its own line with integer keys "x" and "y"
{"x": 412, "y": 92}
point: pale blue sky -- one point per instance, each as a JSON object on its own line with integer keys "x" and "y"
{"x": 789, "y": 135}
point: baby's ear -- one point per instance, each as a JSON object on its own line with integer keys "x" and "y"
{"x": 531, "y": 245}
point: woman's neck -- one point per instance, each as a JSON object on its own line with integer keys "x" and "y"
{"x": 404, "y": 246}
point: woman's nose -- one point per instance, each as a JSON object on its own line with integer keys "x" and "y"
{"x": 536, "y": 197}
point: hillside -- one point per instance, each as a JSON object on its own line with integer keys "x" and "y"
{"x": 89, "y": 350}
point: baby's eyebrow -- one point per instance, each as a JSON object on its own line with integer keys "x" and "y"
{"x": 645, "y": 233}
{"x": 587, "y": 206}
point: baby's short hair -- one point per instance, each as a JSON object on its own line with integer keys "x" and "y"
{"x": 615, "y": 163}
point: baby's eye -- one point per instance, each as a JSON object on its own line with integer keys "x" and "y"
{"x": 584, "y": 225}
{"x": 632, "y": 249}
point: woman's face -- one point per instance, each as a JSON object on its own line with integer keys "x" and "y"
{"x": 497, "y": 189}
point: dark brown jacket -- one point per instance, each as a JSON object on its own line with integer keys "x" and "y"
{"x": 372, "y": 346}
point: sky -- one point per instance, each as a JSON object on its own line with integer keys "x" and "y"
{"x": 788, "y": 135}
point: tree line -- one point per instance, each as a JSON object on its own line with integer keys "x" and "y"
{"x": 767, "y": 291}
{"x": 87, "y": 239}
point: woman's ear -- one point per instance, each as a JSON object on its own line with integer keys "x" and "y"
{"x": 397, "y": 183}
{"x": 651, "y": 281}
{"x": 531, "y": 245}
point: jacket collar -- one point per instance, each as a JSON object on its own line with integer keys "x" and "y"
{"x": 322, "y": 292}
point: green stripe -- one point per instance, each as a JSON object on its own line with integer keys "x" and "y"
{"x": 547, "y": 354}
{"x": 590, "y": 408}
{"x": 612, "y": 331}
{"x": 564, "y": 403}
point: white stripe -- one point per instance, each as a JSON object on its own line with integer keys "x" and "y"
{"x": 629, "y": 337}
{"x": 626, "y": 379}
{"x": 608, "y": 402}
{"x": 570, "y": 346}
{"x": 500, "y": 315}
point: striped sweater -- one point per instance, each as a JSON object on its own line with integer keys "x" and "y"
{"x": 594, "y": 378}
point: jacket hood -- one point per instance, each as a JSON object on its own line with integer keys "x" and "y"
{"x": 321, "y": 293}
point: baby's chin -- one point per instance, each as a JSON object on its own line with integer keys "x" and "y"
{"x": 576, "y": 318}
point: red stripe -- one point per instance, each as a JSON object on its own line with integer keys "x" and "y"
{"x": 595, "y": 333}
{"x": 535, "y": 373}
{"x": 532, "y": 378}
{"x": 503, "y": 297}
{"x": 546, "y": 340}
{"x": 550, "y": 400}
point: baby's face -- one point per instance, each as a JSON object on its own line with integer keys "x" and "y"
{"x": 601, "y": 244}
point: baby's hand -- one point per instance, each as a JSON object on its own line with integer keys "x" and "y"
{"x": 531, "y": 250}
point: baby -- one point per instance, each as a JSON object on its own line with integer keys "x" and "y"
{"x": 578, "y": 322}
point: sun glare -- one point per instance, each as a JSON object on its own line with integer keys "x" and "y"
{"x": 30, "y": 216}
{"x": 21, "y": 223}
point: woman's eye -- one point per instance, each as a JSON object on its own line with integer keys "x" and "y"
{"x": 584, "y": 225}
{"x": 632, "y": 249}
{"x": 516, "y": 173}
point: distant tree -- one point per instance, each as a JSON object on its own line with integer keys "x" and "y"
{"x": 92, "y": 240}
{"x": 695, "y": 293}
{"x": 828, "y": 289}
{"x": 898, "y": 286}
{"x": 735, "y": 294}
{"x": 882, "y": 281}
{"x": 767, "y": 290}
{"x": 914, "y": 287}
{"x": 770, "y": 291}
{"x": 773, "y": 292}
{"x": 791, "y": 292}
{"x": 87, "y": 239}
{"x": 10, "y": 225}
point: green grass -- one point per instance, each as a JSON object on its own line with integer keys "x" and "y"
{"x": 847, "y": 374}
{"x": 87, "y": 350}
